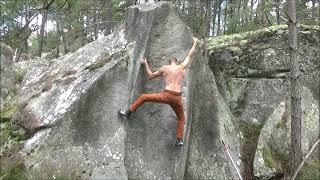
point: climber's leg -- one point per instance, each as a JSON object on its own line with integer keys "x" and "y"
{"x": 153, "y": 97}
{"x": 177, "y": 106}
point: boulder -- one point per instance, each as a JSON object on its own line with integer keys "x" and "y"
{"x": 70, "y": 106}
{"x": 252, "y": 73}
{"x": 8, "y": 81}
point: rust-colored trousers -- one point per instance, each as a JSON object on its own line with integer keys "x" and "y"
{"x": 172, "y": 98}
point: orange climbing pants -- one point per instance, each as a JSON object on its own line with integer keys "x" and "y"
{"x": 174, "y": 99}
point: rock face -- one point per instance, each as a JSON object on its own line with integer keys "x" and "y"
{"x": 211, "y": 123}
{"x": 159, "y": 34}
{"x": 252, "y": 73}
{"x": 71, "y": 107}
{"x": 238, "y": 96}
{"x": 7, "y": 81}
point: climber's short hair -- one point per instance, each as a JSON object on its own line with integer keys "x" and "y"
{"x": 173, "y": 59}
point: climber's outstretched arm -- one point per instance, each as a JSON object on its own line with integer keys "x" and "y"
{"x": 150, "y": 74}
{"x": 188, "y": 59}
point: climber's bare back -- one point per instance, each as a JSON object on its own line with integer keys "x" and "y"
{"x": 174, "y": 73}
{"x": 173, "y": 76}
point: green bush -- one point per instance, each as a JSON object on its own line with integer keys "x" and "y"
{"x": 20, "y": 74}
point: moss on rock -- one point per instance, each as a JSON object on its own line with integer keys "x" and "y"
{"x": 20, "y": 73}
{"x": 242, "y": 39}
{"x": 311, "y": 170}
{"x": 268, "y": 159}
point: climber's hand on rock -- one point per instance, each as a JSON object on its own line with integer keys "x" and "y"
{"x": 194, "y": 39}
{"x": 143, "y": 61}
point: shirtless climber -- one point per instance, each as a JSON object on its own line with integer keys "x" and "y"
{"x": 173, "y": 75}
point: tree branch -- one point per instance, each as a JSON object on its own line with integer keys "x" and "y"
{"x": 304, "y": 160}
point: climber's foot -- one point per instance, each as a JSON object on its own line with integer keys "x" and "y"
{"x": 179, "y": 142}
{"x": 124, "y": 113}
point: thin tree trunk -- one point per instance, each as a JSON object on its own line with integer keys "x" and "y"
{"x": 41, "y": 37}
{"x": 58, "y": 40}
{"x": 191, "y": 13}
{"x": 313, "y": 13}
{"x": 238, "y": 16}
{"x": 225, "y": 17}
{"x": 183, "y": 6}
{"x": 97, "y": 24}
{"x": 231, "y": 13}
{"x": 244, "y": 16}
{"x": 27, "y": 17}
{"x": 205, "y": 27}
{"x": 262, "y": 18}
{"x": 109, "y": 24}
{"x": 208, "y": 14}
{"x": 251, "y": 10}
{"x": 295, "y": 147}
{"x": 278, "y": 11}
{"x": 214, "y": 15}
{"x": 83, "y": 29}
{"x": 219, "y": 17}
{"x": 65, "y": 46}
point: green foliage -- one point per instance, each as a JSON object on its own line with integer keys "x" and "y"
{"x": 14, "y": 172}
{"x": 268, "y": 159}
{"x": 310, "y": 170}
{"x": 20, "y": 74}
{"x": 95, "y": 66}
{"x": 237, "y": 39}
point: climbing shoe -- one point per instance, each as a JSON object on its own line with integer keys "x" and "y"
{"x": 179, "y": 142}
{"x": 125, "y": 113}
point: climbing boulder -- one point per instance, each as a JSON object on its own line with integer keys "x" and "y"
{"x": 252, "y": 73}
{"x": 7, "y": 81}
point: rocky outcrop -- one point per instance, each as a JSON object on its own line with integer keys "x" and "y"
{"x": 70, "y": 106}
{"x": 7, "y": 81}
{"x": 252, "y": 74}
{"x": 159, "y": 34}
{"x": 239, "y": 95}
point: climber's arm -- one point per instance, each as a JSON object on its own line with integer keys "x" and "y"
{"x": 188, "y": 59}
{"x": 150, "y": 74}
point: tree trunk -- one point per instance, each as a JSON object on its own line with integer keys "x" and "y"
{"x": 295, "y": 148}
{"x": 214, "y": 15}
{"x": 278, "y": 11}
{"x": 27, "y": 17}
{"x": 83, "y": 36}
{"x": 251, "y": 10}
{"x": 207, "y": 18}
{"x": 97, "y": 24}
{"x": 183, "y": 6}
{"x": 64, "y": 40}
{"x": 219, "y": 17}
{"x": 109, "y": 24}
{"x": 238, "y": 16}
{"x": 225, "y": 17}
{"x": 244, "y": 16}
{"x": 58, "y": 40}
{"x": 231, "y": 19}
{"x": 43, "y": 23}
{"x": 191, "y": 13}
{"x": 262, "y": 18}
{"x": 206, "y": 24}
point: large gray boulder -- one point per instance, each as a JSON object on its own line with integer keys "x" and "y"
{"x": 159, "y": 34}
{"x": 7, "y": 71}
{"x": 70, "y": 105}
{"x": 252, "y": 74}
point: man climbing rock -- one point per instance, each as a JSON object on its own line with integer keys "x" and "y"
{"x": 173, "y": 75}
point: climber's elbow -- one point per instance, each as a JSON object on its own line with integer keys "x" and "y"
{"x": 154, "y": 75}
